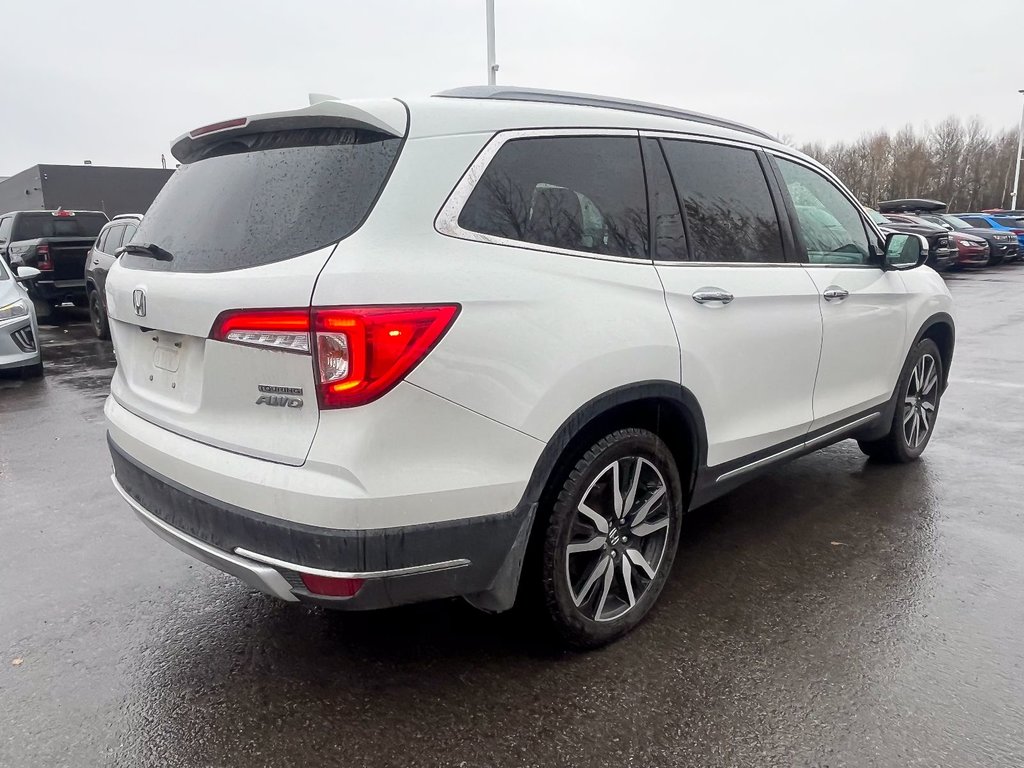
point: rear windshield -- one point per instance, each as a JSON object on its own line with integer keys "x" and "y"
{"x": 267, "y": 197}
{"x": 29, "y": 226}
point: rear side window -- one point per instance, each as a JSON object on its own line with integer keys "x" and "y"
{"x": 669, "y": 232}
{"x": 977, "y": 222}
{"x": 129, "y": 233}
{"x": 580, "y": 193}
{"x": 30, "y": 226}
{"x": 267, "y": 197}
{"x": 729, "y": 211}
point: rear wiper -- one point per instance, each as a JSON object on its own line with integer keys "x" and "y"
{"x": 147, "y": 249}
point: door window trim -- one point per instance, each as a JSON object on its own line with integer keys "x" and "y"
{"x": 447, "y": 220}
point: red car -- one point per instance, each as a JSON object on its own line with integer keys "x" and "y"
{"x": 971, "y": 250}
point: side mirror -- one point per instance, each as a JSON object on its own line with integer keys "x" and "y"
{"x": 27, "y": 273}
{"x": 905, "y": 251}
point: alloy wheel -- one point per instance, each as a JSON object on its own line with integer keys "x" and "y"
{"x": 920, "y": 402}
{"x": 618, "y": 539}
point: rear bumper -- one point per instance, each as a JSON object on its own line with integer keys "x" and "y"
{"x": 478, "y": 558}
{"x": 57, "y": 290}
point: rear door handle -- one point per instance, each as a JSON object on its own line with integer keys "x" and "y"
{"x": 835, "y": 293}
{"x": 708, "y": 295}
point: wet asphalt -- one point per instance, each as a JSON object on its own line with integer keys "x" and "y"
{"x": 834, "y": 612}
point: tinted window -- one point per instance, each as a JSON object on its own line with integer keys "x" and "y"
{"x": 1012, "y": 222}
{"x": 729, "y": 210}
{"x": 578, "y": 193}
{"x": 831, "y": 225}
{"x": 669, "y": 233}
{"x": 261, "y": 198}
{"x": 30, "y": 226}
{"x": 977, "y": 221}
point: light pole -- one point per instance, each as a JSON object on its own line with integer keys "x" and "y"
{"x": 492, "y": 66}
{"x": 1020, "y": 146}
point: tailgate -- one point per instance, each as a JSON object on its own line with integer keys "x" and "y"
{"x": 170, "y": 373}
{"x": 69, "y": 258}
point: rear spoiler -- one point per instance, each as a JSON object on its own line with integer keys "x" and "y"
{"x": 387, "y": 116}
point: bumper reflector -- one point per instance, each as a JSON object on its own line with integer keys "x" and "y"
{"x": 331, "y": 587}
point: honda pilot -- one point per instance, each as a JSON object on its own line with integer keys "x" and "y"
{"x": 495, "y": 343}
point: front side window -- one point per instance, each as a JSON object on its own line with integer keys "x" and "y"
{"x": 830, "y": 223}
{"x": 113, "y": 239}
{"x": 977, "y": 221}
{"x": 729, "y": 211}
{"x": 579, "y": 193}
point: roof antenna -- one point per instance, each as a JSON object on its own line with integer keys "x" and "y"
{"x": 316, "y": 98}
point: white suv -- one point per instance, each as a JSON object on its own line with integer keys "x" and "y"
{"x": 497, "y": 341}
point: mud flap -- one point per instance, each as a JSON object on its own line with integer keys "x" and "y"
{"x": 502, "y": 594}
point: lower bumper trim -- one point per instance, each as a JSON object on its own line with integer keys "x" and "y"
{"x": 408, "y": 571}
{"x": 262, "y": 577}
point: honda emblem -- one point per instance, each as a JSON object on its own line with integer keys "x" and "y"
{"x": 139, "y": 302}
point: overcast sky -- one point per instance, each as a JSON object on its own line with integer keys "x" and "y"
{"x": 115, "y": 81}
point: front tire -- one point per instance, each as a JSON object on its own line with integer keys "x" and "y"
{"x": 98, "y": 316}
{"x": 917, "y": 406}
{"x": 611, "y": 538}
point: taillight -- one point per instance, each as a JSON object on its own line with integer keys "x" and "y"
{"x": 45, "y": 261}
{"x": 359, "y": 353}
{"x": 362, "y": 352}
{"x": 283, "y": 329}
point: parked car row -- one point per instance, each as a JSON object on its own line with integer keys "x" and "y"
{"x": 974, "y": 239}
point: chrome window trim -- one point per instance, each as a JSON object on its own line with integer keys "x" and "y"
{"x": 447, "y": 220}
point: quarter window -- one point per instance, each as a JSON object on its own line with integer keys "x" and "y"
{"x": 580, "y": 193}
{"x": 831, "y": 225}
{"x": 729, "y": 211}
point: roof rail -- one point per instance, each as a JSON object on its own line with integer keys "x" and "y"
{"x": 126, "y": 216}
{"x": 508, "y": 93}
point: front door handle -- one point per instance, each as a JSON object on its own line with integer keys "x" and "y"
{"x": 835, "y": 293}
{"x": 708, "y": 295}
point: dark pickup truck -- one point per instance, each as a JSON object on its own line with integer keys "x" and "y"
{"x": 56, "y": 243}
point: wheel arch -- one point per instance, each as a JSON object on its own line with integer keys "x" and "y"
{"x": 941, "y": 329}
{"x": 666, "y": 408}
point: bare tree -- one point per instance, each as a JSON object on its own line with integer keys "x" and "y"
{"x": 962, "y": 164}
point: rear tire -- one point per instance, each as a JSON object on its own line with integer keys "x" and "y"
{"x": 611, "y": 538}
{"x": 100, "y": 325}
{"x": 917, "y": 407}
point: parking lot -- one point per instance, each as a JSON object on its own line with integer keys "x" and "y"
{"x": 834, "y": 612}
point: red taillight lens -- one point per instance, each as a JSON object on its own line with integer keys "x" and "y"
{"x": 330, "y": 586}
{"x": 283, "y": 329}
{"x": 362, "y": 352}
{"x": 359, "y": 353}
{"x": 45, "y": 261}
{"x": 1017, "y": 231}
